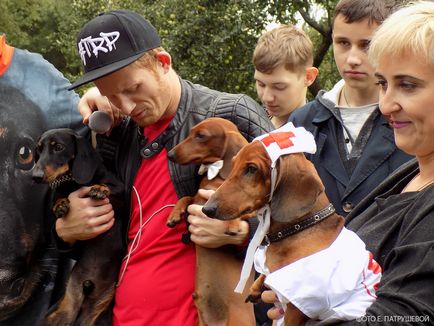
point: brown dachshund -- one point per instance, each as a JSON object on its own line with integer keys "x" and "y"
{"x": 66, "y": 162}
{"x": 298, "y": 194}
{"x": 217, "y": 270}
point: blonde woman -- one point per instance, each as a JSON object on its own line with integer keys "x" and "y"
{"x": 396, "y": 221}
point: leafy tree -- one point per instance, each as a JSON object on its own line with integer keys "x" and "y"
{"x": 211, "y": 41}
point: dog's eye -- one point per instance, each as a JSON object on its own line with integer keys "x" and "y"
{"x": 24, "y": 157}
{"x": 58, "y": 147}
{"x": 251, "y": 169}
{"x": 199, "y": 136}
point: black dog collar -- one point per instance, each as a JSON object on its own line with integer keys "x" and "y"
{"x": 295, "y": 228}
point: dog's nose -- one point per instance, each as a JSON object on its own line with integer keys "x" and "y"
{"x": 210, "y": 210}
{"x": 37, "y": 179}
{"x": 37, "y": 174}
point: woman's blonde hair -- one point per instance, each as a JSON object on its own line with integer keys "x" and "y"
{"x": 408, "y": 31}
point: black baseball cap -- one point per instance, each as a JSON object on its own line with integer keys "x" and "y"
{"x": 111, "y": 41}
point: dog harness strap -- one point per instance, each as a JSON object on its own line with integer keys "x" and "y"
{"x": 264, "y": 224}
{"x": 297, "y": 227}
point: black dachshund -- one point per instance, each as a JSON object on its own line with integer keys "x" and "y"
{"x": 67, "y": 161}
{"x": 22, "y": 236}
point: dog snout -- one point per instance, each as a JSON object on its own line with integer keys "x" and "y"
{"x": 37, "y": 174}
{"x": 210, "y": 209}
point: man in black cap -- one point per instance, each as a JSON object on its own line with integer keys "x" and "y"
{"x": 122, "y": 54}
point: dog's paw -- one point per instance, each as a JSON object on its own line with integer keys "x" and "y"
{"x": 256, "y": 290}
{"x": 99, "y": 192}
{"x": 61, "y": 207}
{"x": 179, "y": 212}
{"x": 175, "y": 217}
{"x": 253, "y": 298}
{"x": 172, "y": 221}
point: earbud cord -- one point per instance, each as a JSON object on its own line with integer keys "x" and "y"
{"x": 136, "y": 240}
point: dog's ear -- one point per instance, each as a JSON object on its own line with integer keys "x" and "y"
{"x": 234, "y": 141}
{"x": 85, "y": 162}
{"x": 297, "y": 188}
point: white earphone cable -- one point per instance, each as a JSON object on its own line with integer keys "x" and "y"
{"x": 136, "y": 240}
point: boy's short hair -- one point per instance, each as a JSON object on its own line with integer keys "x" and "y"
{"x": 285, "y": 44}
{"x": 409, "y": 31}
{"x": 373, "y": 10}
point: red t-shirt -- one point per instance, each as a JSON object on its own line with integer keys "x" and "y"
{"x": 158, "y": 283}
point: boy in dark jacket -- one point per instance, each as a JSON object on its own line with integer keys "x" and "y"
{"x": 355, "y": 146}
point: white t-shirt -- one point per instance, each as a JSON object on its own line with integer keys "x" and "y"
{"x": 337, "y": 283}
{"x": 352, "y": 117}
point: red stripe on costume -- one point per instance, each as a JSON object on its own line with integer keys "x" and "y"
{"x": 366, "y": 287}
{"x": 376, "y": 285}
{"x": 373, "y": 265}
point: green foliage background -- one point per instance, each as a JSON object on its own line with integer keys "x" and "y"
{"x": 211, "y": 41}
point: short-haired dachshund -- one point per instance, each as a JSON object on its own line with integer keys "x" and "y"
{"x": 217, "y": 270}
{"x": 67, "y": 161}
{"x": 302, "y": 224}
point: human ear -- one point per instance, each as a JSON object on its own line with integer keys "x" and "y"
{"x": 310, "y": 76}
{"x": 164, "y": 59}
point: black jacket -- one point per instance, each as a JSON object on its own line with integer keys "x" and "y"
{"x": 397, "y": 229}
{"x": 379, "y": 158}
{"x": 126, "y": 146}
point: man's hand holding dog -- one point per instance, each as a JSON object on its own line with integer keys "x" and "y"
{"x": 86, "y": 219}
{"x": 210, "y": 233}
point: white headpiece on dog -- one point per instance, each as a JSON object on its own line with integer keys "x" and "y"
{"x": 286, "y": 140}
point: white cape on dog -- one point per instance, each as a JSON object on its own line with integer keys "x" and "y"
{"x": 337, "y": 283}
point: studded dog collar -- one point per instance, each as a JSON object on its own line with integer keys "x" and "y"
{"x": 300, "y": 226}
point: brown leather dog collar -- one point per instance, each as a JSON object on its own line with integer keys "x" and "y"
{"x": 295, "y": 228}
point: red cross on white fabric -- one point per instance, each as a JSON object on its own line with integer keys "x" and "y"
{"x": 282, "y": 139}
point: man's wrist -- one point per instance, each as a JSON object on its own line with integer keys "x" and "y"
{"x": 62, "y": 237}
